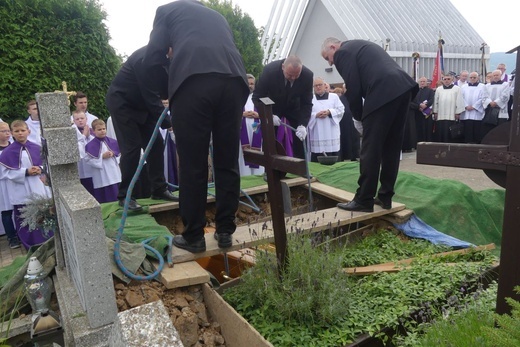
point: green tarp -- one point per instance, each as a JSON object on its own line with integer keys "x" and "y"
{"x": 449, "y": 206}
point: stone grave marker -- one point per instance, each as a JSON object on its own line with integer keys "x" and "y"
{"x": 80, "y": 247}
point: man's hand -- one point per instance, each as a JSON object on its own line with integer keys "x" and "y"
{"x": 276, "y": 121}
{"x": 108, "y": 154}
{"x": 301, "y": 132}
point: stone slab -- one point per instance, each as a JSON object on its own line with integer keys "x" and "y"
{"x": 76, "y": 327}
{"x": 54, "y": 110}
{"x": 146, "y": 325}
{"x": 87, "y": 259}
{"x": 62, "y": 145}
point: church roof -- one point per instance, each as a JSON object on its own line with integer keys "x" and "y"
{"x": 409, "y": 24}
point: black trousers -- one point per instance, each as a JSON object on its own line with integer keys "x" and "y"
{"x": 383, "y": 132}
{"x": 131, "y": 137}
{"x": 208, "y": 106}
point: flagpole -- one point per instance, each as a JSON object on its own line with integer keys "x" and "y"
{"x": 483, "y": 62}
{"x": 438, "y": 69}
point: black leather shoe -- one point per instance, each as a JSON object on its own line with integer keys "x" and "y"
{"x": 132, "y": 205}
{"x": 386, "y": 206}
{"x": 354, "y": 206}
{"x": 224, "y": 240}
{"x": 166, "y": 195}
{"x": 193, "y": 247}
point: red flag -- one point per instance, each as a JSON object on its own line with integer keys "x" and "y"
{"x": 438, "y": 69}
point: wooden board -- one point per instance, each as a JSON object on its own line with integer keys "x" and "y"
{"x": 291, "y": 182}
{"x": 405, "y": 263}
{"x": 260, "y": 233}
{"x": 235, "y": 329}
{"x": 182, "y": 274}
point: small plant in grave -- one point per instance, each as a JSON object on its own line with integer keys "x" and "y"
{"x": 282, "y": 311}
{"x": 39, "y": 213}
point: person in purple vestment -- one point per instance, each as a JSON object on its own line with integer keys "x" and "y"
{"x": 102, "y": 154}
{"x": 21, "y": 166}
{"x": 5, "y": 205}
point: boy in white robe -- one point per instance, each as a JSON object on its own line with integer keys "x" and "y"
{"x": 102, "y": 154}
{"x": 324, "y": 130}
{"x": 81, "y": 103}
{"x": 33, "y": 123}
{"x": 5, "y": 205}
{"x": 84, "y": 136}
{"x": 21, "y": 165}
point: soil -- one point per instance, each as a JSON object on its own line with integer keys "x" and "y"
{"x": 186, "y": 305}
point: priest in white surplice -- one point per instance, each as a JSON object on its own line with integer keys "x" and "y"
{"x": 474, "y": 94}
{"x": 447, "y": 107}
{"x": 324, "y": 131}
{"x": 250, "y": 133}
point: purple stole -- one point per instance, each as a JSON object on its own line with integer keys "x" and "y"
{"x": 284, "y": 135}
{"x": 256, "y": 140}
{"x": 11, "y": 157}
{"x": 93, "y": 148}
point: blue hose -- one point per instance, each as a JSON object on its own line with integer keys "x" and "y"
{"x": 117, "y": 245}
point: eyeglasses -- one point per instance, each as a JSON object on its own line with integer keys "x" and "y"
{"x": 446, "y": 79}
{"x": 319, "y": 85}
{"x": 5, "y": 131}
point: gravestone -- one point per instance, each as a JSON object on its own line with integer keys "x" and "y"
{"x": 81, "y": 248}
{"x": 146, "y": 325}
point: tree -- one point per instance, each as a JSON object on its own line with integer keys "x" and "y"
{"x": 45, "y": 42}
{"x": 246, "y": 35}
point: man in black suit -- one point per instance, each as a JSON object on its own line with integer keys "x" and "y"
{"x": 370, "y": 74}
{"x": 135, "y": 106}
{"x": 289, "y": 84}
{"x": 207, "y": 91}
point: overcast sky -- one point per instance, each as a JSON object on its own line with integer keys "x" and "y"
{"x": 130, "y": 21}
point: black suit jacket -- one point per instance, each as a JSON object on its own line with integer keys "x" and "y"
{"x": 370, "y": 73}
{"x": 134, "y": 94}
{"x": 296, "y": 105}
{"x": 423, "y": 94}
{"x": 202, "y": 43}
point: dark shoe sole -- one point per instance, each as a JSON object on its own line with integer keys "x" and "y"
{"x": 358, "y": 208}
{"x": 135, "y": 208}
{"x": 378, "y": 202}
{"x": 174, "y": 198}
{"x": 226, "y": 244}
{"x": 183, "y": 244}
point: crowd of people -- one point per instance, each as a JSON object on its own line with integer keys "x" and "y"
{"x": 464, "y": 98}
{"x": 196, "y": 75}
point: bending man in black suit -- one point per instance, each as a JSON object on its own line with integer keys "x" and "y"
{"x": 207, "y": 91}
{"x": 289, "y": 84}
{"x": 371, "y": 74}
{"x": 135, "y": 106}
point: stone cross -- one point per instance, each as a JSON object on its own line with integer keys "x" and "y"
{"x": 500, "y": 159}
{"x": 81, "y": 250}
{"x": 276, "y": 166}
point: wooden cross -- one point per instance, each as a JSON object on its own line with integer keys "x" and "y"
{"x": 501, "y": 162}
{"x": 276, "y": 165}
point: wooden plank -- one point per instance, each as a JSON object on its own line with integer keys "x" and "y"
{"x": 395, "y": 266}
{"x": 182, "y": 275}
{"x": 235, "y": 329}
{"x": 291, "y": 182}
{"x": 260, "y": 233}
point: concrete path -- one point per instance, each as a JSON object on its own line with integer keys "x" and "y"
{"x": 475, "y": 179}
